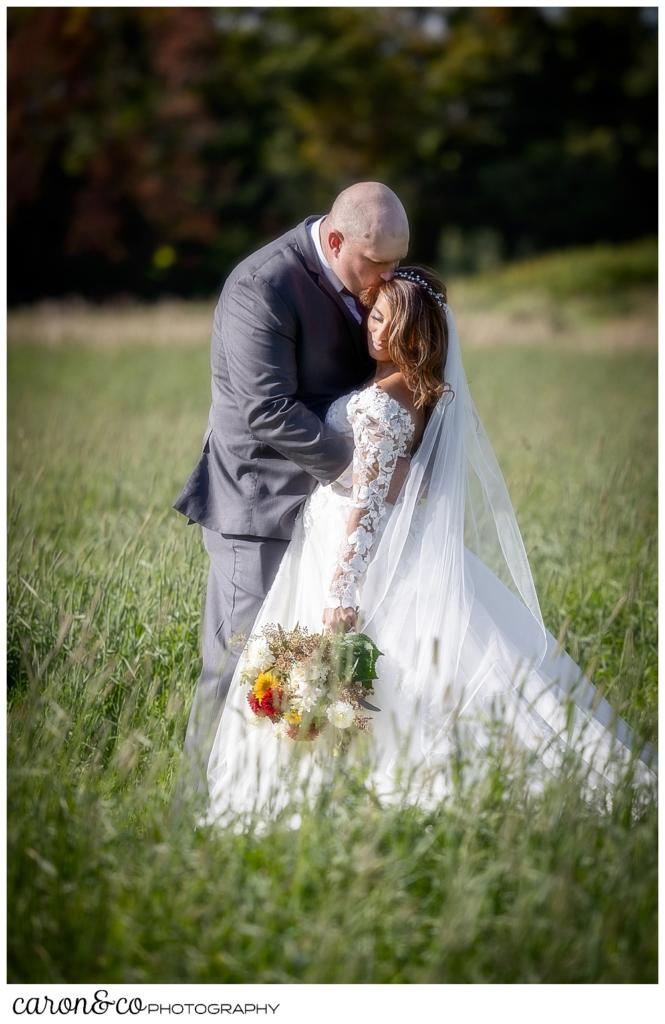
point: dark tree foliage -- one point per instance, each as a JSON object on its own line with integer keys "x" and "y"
{"x": 150, "y": 148}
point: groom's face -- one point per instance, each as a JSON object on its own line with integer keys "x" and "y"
{"x": 363, "y": 264}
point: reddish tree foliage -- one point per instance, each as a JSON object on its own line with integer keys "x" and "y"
{"x": 148, "y": 148}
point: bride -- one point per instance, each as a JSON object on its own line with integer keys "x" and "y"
{"x": 417, "y": 546}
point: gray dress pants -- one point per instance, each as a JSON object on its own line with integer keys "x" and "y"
{"x": 242, "y": 570}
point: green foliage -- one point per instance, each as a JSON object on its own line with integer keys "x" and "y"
{"x": 497, "y": 884}
{"x": 151, "y": 148}
{"x": 357, "y": 656}
{"x": 600, "y": 280}
{"x": 492, "y": 887}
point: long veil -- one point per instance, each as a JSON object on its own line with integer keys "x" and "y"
{"x": 450, "y": 598}
{"x": 450, "y": 601}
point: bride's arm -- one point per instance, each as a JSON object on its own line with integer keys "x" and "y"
{"x": 378, "y": 473}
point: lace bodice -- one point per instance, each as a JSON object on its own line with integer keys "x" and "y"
{"x": 383, "y": 432}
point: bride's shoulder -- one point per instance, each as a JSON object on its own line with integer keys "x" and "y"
{"x": 397, "y": 391}
{"x": 395, "y": 387}
{"x": 370, "y": 399}
{"x": 387, "y": 400}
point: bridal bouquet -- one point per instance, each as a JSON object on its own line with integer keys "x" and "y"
{"x": 305, "y": 683}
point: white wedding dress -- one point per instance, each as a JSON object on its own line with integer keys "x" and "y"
{"x": 463, "y": 645}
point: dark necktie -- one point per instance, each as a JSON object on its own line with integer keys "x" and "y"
{"x": 358, "y": 305}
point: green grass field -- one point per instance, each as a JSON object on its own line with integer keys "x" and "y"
{"x": 105, "y": 589}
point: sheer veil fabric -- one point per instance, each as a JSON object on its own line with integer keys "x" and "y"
{"x": 449, "y": 599}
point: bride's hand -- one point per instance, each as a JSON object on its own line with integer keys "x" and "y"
{"x": 344, "y": 619}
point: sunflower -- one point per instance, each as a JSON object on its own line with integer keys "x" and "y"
{"x": 264, "y": 681}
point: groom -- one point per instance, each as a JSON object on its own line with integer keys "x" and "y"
{"x": 288, "y": 339}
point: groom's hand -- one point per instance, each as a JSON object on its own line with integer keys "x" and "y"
{"x": 343, "y": 619}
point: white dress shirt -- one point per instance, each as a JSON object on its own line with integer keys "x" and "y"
{"x": 329, "y": 272}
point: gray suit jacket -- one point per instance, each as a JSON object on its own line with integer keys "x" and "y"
{"x": 284, "y": 346}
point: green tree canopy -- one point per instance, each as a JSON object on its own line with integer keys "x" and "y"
{"x": 150, "y": 148}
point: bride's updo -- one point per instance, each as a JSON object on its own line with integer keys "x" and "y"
{"x": 418, "y": 336}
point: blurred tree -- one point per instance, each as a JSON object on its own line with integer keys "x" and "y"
{"x": 546, "y": 130}
{"x": 149, "y": 148}
{"x": 105, "y": 127}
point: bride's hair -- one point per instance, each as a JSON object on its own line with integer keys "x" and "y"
{"x": 418, "y": 338}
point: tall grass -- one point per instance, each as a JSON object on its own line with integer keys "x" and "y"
{"x": 595, "y": 298}
{"x": 598, "y": 298}
{"x": 601, "y": 280}
{"x": 105, "y": 592}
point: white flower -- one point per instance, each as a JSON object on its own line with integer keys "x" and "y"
{"x": 304, "y": 679}
{"x": 298, "y": 679}
{"x": 318, "y": 671}
{"x": 341, "y": 714}
{"x": 281, "y": 729}
{"x": 306, "y": 700}
{"x": 258, "y": 656}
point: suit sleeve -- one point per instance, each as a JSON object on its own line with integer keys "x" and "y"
{"x": 259, "y": 332}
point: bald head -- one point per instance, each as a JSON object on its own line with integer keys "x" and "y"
{"x": 369, "y": 213}
{"x": 365, "y": 235}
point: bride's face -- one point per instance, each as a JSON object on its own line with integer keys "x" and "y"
{"x": 378, "y": 329}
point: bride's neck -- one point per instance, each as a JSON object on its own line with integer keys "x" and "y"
{"x": 384, "y": 370}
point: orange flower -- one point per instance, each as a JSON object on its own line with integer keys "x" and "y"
{"x": 264, "y": 682}
{"x": 271, "y": 705}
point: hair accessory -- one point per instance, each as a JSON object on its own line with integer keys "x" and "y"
{"x": 410, "y": 275}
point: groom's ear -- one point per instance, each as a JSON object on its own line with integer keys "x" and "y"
{"x": 335, "y": 239}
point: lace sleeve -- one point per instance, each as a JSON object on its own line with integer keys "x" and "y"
{"x": 382, "y": 433}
